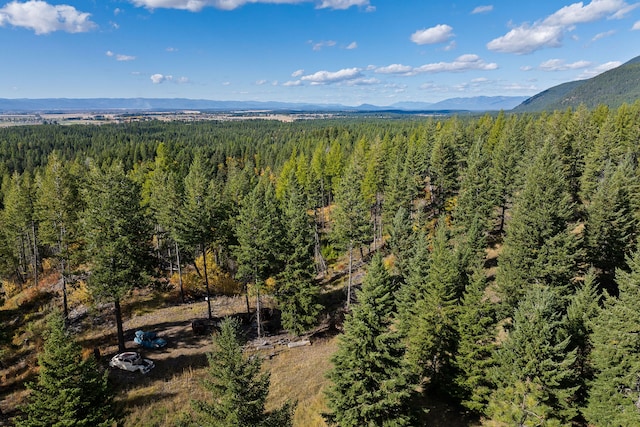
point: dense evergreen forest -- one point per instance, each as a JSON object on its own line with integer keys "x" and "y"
{"x": 501, "y": 257}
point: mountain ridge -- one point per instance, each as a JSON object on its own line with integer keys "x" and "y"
{"x": 32, "y": 105}
{"x": 612, "y": 88}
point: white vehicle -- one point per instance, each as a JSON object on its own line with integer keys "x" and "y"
{"x": 131, "y": 361}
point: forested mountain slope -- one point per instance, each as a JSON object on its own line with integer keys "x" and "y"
{"x": 488, "y": 262}
{"x": 612, "y": 88}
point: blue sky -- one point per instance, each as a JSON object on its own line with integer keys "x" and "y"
{"x": 322, "y": 51}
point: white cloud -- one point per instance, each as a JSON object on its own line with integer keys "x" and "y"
{"x": 320, "y": 45}
{"x": 330, "y": 77}
{"x": 352, "y": 45}
{"x": 526, "y": 68}
{"x": 578, "y": 13}
{"x": 433, "y": 87}
{"x": 120, "y": 57}
{"x": 603, "y": 35}
{"x": 587, "y": 74}
{"x": 636, "y": 26}
{"x": 171, "y": 49}
{"x": 292, "y": 83}
{"x": 161, "y": 78}
{"x": 395, "y": 69}
{"x": 261, "y": 82}
{"x": 548, "y": 32}
{"x": 482, "y": 9}
{"x": 297, "y": 73}
{"x": 344, "y": 4}
{"x": 527, "y": 39}
{"x": 561, "y": 65}
{"x": 43, "y": 18}
{"x": 519, "y": 87}
{"x": 450, "y": 46}
{"x": 438, "y": 34}
{"x": 460, "y": 64}
{"x": 198, "y": 5}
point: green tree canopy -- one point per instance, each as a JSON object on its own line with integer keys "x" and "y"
{"x": 117, "y": 234}
{"x": 69, "y": 391}
{"x": 237, "y": 387}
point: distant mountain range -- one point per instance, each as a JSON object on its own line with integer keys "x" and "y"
{"x": 51, "y": 105}
{"x": 613, "y": 88}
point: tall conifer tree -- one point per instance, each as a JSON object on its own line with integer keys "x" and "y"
{"x": 117, "y": 233}
{"x": 298, "y": 292}
{"x": 533, "y": 374}
{"x": 69, "y": 391}
{"x": 539, "y": 246}
{"x": 237, "y": 387}
{"x": 371, "y": 385}
{"x": 614, "y": 398}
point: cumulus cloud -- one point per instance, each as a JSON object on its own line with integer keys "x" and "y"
{"x": 44, "y": 18}
{"x": 548, "y": 32}
{"x": 561, "y": 65}
{"x": 438, "y": 34}
{"x": 527, "y": 39}
{"x": 636, "y": 26}
{"x": 462, "y": 63}
{"x": 161, "y": 78}
{"x": 330, "y": 77}
{"x": 120, "y": 57}
{"x": 592, "y": 72}
{"x": 482, "y": 9}
{"x": 297, "y": 73}
{"x": 292, "y": 83}
{"x": 198, "y": 5}
{"x": 352, "y": 45}
{"x": 395, "y": 69}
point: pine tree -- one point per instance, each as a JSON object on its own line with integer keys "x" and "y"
{"x": 402, "y": 240}
{"x": 237, "y": 387}
{"x": 506, "y": 155}
{"x": 370, "y": 382}
{"x": 533, "y": 371}
{"x": 298, "y": 292}
{"x": 259, "y": 235}
{"x": 615, "y": 392}
{"x": 20, "y": 226}
{"x": 351, "y": 226}
{"x": 117, "y": 233}
{"x": 584, "y": 307}
{"x": 56, "y": 208}
{"x": 69, "y": 391}
{"x": 430, "y": 307}
{"x": 444, "y": 164}
{"x": 539, "y": 246}
{"x": 610, "y": 231}
{"x": 477, "y": 330}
